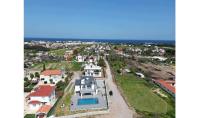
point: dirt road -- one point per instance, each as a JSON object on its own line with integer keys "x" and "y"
{"x": 118, "y": 107}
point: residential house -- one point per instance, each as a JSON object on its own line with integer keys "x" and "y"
{"x": 91, "y": 59}
{"x": 168, "y": 86}
{"x": 51, "y": 76}
{"x": 42, "y": 95}
{"x": 80, "y": 58}
{"x": 93, "y": 70}
{"x": 86, "y": 85}
{"x": 43, "y": 111}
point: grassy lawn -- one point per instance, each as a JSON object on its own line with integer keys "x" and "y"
{"x": 58, "y": 52}
{"x": 51, "y": 65}
{"x": 66, "y": 110}
{"x": 76, "y": 66}
{"x": 140, "y": 95}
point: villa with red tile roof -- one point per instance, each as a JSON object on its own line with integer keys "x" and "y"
{"x": 51, "y": 76}
{"x": 42, "y": 95}
{"x": 168, "y": 86}
{"x": 43, "y": 111}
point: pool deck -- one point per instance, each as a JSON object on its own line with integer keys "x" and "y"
{"x": 102, "y": 102}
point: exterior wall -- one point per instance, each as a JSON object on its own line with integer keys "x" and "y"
{"x": 92, "y": 73}
{"x": 93, "y": 86}
{"x": 46, "y": 99}
{"x": 35, "y": 107}
{"x": 56, "y": 78}
{"x": 77, "y": 88}
{"x": 41, "y": 99}
{"x": 79, "y": 58}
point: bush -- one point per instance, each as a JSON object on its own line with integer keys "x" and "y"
{"x": 60, "y": 85}
{"x": 37, "y": 74}
{"x": 26, "y": 83}
{"x": 118, "y": 71}
{"x": 29, "y": 116}
{"x": 31, "y": 76}
{"x": 25, "y": 79}
{"x": 28, "y": 89}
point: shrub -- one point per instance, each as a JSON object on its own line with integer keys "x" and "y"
{"x": 29, "y": 116}
{"x": 31, "y": 76}
{"x": 37, "y": 74}
{"x": 60, "y": 85}
{"x": 25, "y": 79}
{"x": 26, "y": 83}
{"x": 27, "y": 89}
{"x": 118, "y": 71}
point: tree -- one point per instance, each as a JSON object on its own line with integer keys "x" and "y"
{"x": 31, "y": 76}
{"x": 44, "y": 67}
{"x": 25, "y": 79}
{"x": 66, "y": 80}
{"x": 60, "y": 85}
{"x": 101, "y": 63}
{"x": 37, "y": 75}
{"x": 75, "y": 52}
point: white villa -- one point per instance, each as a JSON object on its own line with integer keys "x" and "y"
{"x": 51, "y": 76}
{"x": 80, "y": 58}
{"x": 86, "y": 85}
{"x": 42, "y": 95}
{"x": 93, "y": 70}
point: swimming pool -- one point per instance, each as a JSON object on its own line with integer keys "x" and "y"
{"x": 87, "y": 101}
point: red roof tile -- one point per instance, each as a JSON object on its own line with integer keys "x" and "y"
{"x": 43, "y": 90}
{"x": 51, "y": 72}
{"x": 166, "y": 85}
{"x": 44, "y": 109}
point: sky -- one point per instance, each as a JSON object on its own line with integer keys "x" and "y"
{"x": 100, "y": 19}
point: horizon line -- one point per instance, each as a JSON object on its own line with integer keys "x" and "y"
{"x": 98, "y": 38}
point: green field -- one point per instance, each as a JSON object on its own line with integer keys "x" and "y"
{"x": 76, "y": 66}
{"x": 58, "y": 52}
{"x": 139, "y": 95}
{"x": 50, "y": 65}
{"x": 73, "y": 66}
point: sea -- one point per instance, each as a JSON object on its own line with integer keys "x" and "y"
{"x": 113, "y": 41}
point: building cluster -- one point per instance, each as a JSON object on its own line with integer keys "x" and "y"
{"x": 43, "y": 96}
{"x": 41, "y": 99}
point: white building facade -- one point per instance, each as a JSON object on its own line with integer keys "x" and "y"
{"x": 93, "y": 70}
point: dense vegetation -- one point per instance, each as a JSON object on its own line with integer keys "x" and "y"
{"x": 37, "y": 48}
{"x": 29, "y": 116}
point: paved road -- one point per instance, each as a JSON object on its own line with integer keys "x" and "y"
{"x": 118, "y": 107}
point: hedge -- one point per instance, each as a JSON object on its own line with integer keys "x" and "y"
{"x": 28, "y": 89}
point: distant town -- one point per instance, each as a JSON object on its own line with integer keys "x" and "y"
{"x": 66, "y": 79}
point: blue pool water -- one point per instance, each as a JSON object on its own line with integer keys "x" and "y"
{"x": 87, "y": 101}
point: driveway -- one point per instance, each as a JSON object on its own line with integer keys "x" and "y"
{"x": 118, "y": 107}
